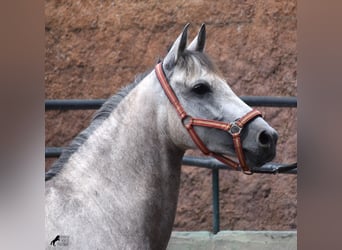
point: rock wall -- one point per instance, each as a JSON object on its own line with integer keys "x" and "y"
{"x": 93, "y": 48}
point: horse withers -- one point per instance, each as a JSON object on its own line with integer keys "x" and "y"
{"x": 116, "y": 185}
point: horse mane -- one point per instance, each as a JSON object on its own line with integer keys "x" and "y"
{"x": 98, "y": 117}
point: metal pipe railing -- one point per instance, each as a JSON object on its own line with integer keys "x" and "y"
{"x": 203, "y": 162}
{"x": 264, "y": 101}
{"x": 216, "y": 200}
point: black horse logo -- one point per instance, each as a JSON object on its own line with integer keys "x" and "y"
{"x": 57, "y": 238}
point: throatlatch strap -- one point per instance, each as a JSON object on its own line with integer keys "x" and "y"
{"x": 169, "y": 91}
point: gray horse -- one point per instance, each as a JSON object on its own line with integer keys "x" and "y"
{"x": 116, "y": 186}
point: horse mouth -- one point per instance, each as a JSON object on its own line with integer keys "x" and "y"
{"x": 257, "y": 160}
{"x": 253, "y": 159}
{"x": 254, "y": 156}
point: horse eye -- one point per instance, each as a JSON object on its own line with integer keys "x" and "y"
{"x": 201, "y": 88}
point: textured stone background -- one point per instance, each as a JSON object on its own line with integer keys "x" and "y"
{"x": 95, "y": 47}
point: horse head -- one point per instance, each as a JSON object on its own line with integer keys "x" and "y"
{"x": 202, "y": 93}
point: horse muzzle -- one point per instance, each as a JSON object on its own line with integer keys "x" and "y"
{"x": 259, "y": 143}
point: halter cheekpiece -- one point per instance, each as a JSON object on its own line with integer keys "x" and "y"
{"x": 233, "y": 128}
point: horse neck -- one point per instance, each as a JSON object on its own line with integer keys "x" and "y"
{"x": 128, "y": 168}
{"x": 132, "y": 147}
{"x": 142, "y": 130}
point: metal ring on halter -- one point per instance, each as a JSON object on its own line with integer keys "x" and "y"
{"x": 187, "y": 120}
{"x": 234, "y": 129}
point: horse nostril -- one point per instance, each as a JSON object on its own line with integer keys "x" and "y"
{"x": 266, "y": 139}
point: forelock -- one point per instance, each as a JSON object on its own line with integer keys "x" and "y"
{"x": 190, "y": 60}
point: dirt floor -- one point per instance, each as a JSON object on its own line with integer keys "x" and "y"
{"x": 93, "y": 48}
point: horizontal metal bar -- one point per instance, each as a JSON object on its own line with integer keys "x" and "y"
{"x": 268, "y": 168}
{"x": 261, "y": 101}
{"x": 270, "y": 101}
{"x": 206, "y": 162}
{"x": 59, "y": 104}
{"x": 53, "y": 152}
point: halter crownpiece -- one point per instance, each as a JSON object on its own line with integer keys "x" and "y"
{"x": 233, "y": 128}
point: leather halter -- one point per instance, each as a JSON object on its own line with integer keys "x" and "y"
{"x": 233, "y": 128}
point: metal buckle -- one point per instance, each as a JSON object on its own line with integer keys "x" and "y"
{"x": 234, "y": 128}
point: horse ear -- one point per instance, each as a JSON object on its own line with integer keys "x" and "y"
{"x": 176, "y": 50}
{"x": 199, "y": 42}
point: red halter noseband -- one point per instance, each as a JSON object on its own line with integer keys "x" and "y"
{"x": 233, "y": 128}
